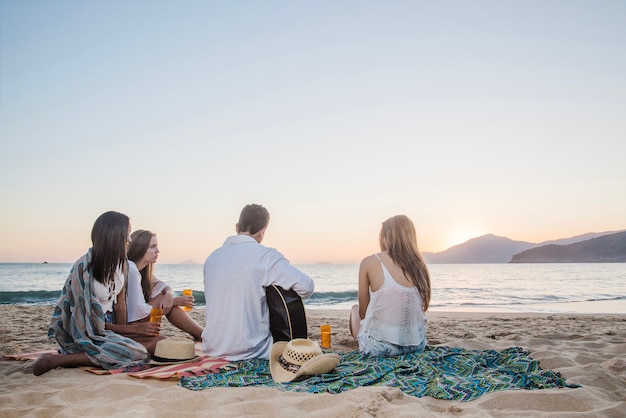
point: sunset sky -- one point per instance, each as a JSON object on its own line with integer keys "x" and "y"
{"x": 470, "y": 117}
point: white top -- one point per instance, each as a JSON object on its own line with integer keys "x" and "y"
{"x": 136, "y": 305}
{"x": 107, "y": 294}
{"x": 236, "y": 314}
{"x": 395, "y": 313}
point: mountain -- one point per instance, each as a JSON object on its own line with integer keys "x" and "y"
{"x": 494, "y": 249}
{"x": 485, "y": 249}
{"x": 604, "y": 249}
{"x": 188, "y": 261}
{"x": 578, "y": 238}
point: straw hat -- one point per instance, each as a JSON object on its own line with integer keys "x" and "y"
{"x": 174, "y": 350}
{"x": 299, "y": 357}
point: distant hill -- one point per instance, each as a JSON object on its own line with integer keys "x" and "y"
{"x": 578, "y": 238}
{"x": 604, "y": 249}
{"x": 189, "y": 261}
{"x": 494, "y": 249}
{"x": 485, "y": 249}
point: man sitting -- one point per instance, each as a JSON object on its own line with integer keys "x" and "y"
{"x": 235, "y": 277}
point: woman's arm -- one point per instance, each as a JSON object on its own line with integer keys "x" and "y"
{"x": 162, "y": 300}
{"x": 167, "y": 299}
{"x": 119, "y": 307}
{"x": 121, "y": 325}
{"x": 364, "y": 287}
{"x": 139, "y": 328}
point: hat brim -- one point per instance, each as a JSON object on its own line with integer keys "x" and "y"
{"x": 158, "y": 361}
{"x": 323, "y": 363}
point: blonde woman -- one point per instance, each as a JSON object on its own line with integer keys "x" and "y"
{"x": 393, "y": 294}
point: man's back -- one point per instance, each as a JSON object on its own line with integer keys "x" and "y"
{"x": 236, "y": 315}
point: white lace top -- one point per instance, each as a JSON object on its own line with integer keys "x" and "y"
{"x": 395, "y": 313}
{"x": 107, "y": 294}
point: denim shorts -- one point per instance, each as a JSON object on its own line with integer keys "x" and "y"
{"x": 372, "y": 347}
{"x": 109, "y": 317}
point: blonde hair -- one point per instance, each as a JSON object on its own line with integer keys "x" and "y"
{"x": 398, "y": 238}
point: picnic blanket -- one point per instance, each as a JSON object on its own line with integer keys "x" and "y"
{"x": 440, "y": 372}
{"x": 201, "y": 366}
{"x": 28, "y": 356}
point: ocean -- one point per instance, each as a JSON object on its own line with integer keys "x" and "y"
{"x": 547, "y": 288}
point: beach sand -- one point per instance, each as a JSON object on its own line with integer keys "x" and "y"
{"x": 586, "y": 349}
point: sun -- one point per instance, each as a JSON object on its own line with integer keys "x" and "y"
{"x": 460, "y": 235}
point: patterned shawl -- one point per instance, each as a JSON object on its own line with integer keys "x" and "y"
{"x": 78, "y": 324}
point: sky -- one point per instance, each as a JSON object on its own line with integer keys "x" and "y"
{"x": 470, "y": 117}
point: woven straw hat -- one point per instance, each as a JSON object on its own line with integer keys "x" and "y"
{"x": 299, "y": 357}
{"x": 174, "y": 350}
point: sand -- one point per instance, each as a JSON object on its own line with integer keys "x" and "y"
{"x": 586, "y": 349}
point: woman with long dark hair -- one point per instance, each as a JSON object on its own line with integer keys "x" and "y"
{"x": 145, "y": 291}
{"x": 90, "y": 315}
{"x": 393, "y": 293}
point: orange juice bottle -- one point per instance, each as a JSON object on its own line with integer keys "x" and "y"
{"x": 156, "y": 314}
{"x": 325, "y": 335}
{"x": 187, "y": 292}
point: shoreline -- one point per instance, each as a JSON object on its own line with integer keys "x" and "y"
{"x": 604, "y": 307}
{"x": 588, "y": 349}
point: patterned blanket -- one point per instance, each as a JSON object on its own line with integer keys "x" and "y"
{"x": 203, "y": 365}
{"x": 440, "y": 372}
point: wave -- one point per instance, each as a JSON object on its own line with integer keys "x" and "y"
{"x": 47, "y": 297}
{"x": 331, "y": 298}
{"x": 526, "y": 302}
{"x": 31, "y": 297}
{"x": 328, "y": 299}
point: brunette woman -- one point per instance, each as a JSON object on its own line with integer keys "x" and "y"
{"x": 145, "y": 291}
{"x": 90, "y": 314}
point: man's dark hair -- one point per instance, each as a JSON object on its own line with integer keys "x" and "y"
{"x": 253, "y": 218}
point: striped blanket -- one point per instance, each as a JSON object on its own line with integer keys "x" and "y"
{"x": 440, "y": 372}
{"x": 201, "y": 366}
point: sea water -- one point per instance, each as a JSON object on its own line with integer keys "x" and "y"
{"x": 557, "y": 288}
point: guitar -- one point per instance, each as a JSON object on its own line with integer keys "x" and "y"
{"x": 287, "y": 314}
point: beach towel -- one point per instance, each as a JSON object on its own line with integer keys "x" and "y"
{"x": 78, "y": 324}
{"x": 29, "y": 356}
{"x": 440, "y": 372}
{"x": 201, "y": 366}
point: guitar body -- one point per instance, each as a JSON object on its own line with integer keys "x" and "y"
{"x": 287, "y": 314}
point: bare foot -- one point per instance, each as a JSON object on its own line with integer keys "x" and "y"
{"x": 44, "y": 363}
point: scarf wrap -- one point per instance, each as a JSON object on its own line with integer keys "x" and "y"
{"x": 78, "y": 324}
